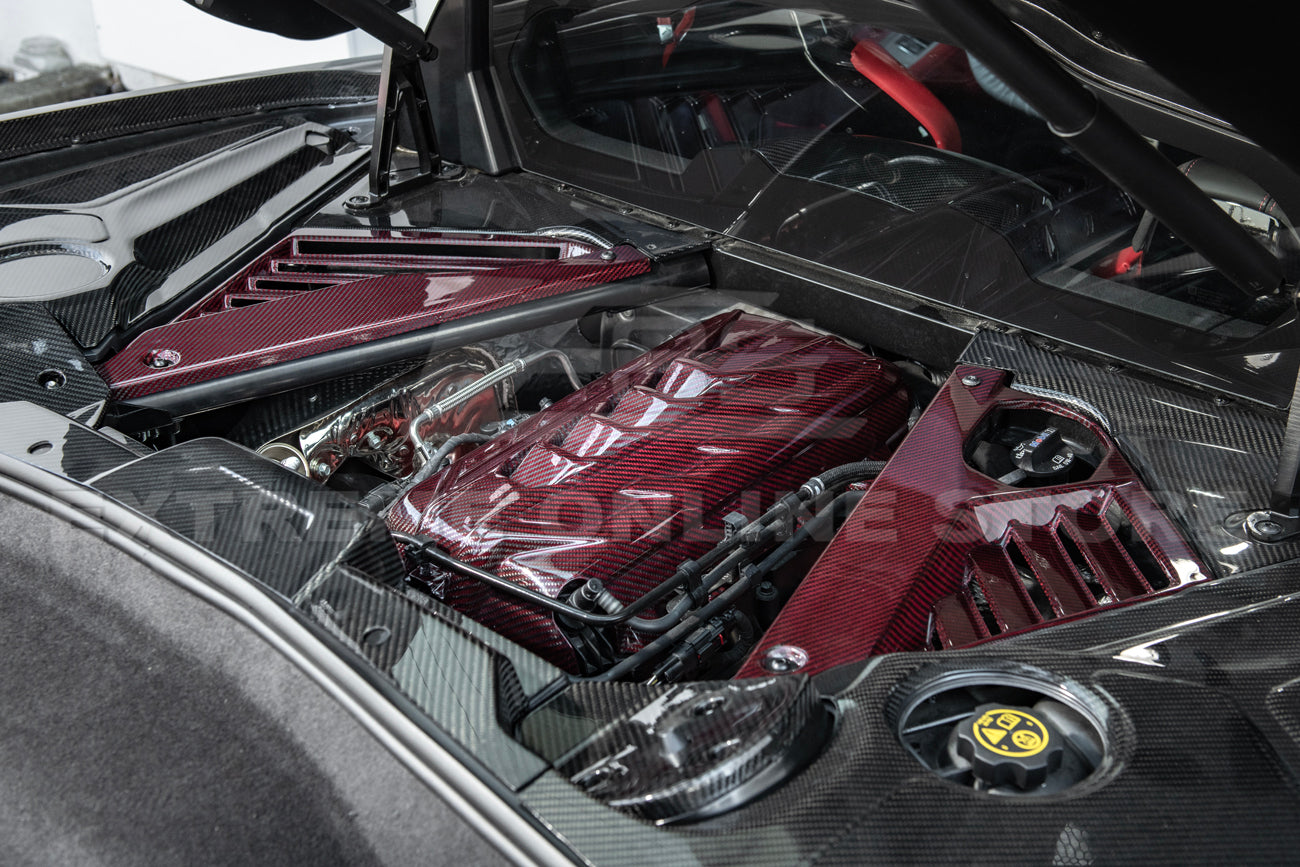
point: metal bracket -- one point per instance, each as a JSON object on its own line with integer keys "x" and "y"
{"x": 401, "y": 92}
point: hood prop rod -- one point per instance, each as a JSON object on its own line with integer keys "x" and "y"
{"x": 1076, "y": 115}
{"x": 402, "y": 90}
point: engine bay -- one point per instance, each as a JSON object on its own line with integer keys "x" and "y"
{"x": 677, "y": 489}
{"x": 768, "y": 422}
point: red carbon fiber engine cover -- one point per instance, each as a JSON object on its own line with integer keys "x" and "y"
{"x": 631, "y": 475}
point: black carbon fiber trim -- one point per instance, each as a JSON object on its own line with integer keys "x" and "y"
{"x": 84, "y": 184}
{"x": 91, "y": 316}
{"x": 132, "y": 113}
{"x": 275, "y": 416}
{"x": 447, "y": 672}
{"x": 31, "y": 344}
{"x": 1202, "y": 460}
{"x": 1191, "y": 778}
{"x": 275, "y": 525}
{"x": 332, "y": 559}
{"x": 46, "y": 439}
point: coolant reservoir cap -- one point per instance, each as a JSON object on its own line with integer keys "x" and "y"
{"x": 1009, "y": 745}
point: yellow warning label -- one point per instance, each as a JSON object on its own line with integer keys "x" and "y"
{"x": 1028, "y": 736}
{"x": 995, "y": 735}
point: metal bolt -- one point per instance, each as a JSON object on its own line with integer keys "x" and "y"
{"x": 320, "y": 468}
{"x": 784, "y": 658}
{"x": 970, "y": 380}
{"x": 162, "y": 358}
{"x": 374, "y": 440}
{"x": 608, "y": 255}
{"x": 1263, "y": 526}
{"x": 51, "y": 379}
{"x": 1220, "y": 400}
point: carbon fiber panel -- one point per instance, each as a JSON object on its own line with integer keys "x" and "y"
{"x": 133, "y": 113}
{"x": 275, "y": 525}
{"x": 208, "y": 347}
{"x": 1203, "y": 460}
{"x": 118, "y": 172}
{"x": 443, "y": 664}
{"x": 908, "y": 543}
{"x": 631, "y": 475}
{"x": 32, "y": 344}
{"x": 867, "y": 800}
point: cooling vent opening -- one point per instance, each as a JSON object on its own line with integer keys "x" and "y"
{"x": 1136, "y": 548}
{"x": 1030, "y": 581}
{"x": 263, "y": 284}
{"x": 1078, "y": 562}
{"x": 319, "y": 247}
{"x": 1083, "y": 568}
{"x": 983, "y": 608}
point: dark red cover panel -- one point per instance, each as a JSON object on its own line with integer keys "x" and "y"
{"x": 630, "y": 476}
{"x": 288, "y": 326}
{"x": 902, "y": 565}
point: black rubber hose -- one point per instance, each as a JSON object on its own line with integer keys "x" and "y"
{"x": 723, "y": 600}
{"x": 753, "y": 534}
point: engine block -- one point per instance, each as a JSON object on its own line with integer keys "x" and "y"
{"x": 633, "y": 474}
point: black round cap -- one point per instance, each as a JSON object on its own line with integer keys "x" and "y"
{"x": 1008, "y": 745}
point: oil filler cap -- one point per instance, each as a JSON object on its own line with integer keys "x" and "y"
{"x": 1009, "y": 745}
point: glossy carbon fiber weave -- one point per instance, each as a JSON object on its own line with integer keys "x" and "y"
{"x": 1203, "y": 460}
{"x": 74, "y": 185}
{"x": 1175, "y": 740}
{"x": 311, "y": 261}
{"x": 630, "y": 476}
{"x": 906, "y": 545}
{"x": 446, "y": 666}
{"x": 32, "y": 343}
{"x": 244, "y": 338}
{"x": 274, "y": 524}
{"x": 329, "y": 557}
{"x": 132, "y": 113}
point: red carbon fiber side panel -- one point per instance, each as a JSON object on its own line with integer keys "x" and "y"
{"x": 215, "y": 339}
{"x": 930, "y": 522}
{"x": 632, "y": 475}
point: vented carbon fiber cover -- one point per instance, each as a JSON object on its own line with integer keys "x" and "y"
{"x": 630, "y": 476}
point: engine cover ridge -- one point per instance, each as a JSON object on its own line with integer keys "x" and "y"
{"x": 631, "y": 475}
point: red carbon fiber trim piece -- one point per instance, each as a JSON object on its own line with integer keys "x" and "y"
{"x": 216, "y": 338}
{"x": 633, "y": 474}
{"x": 313, "y": 261}
{"x": 930, "y": 524}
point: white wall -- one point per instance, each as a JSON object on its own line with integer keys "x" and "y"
{"x": 74, "y": 21}
{"x": 169, "y": 39}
